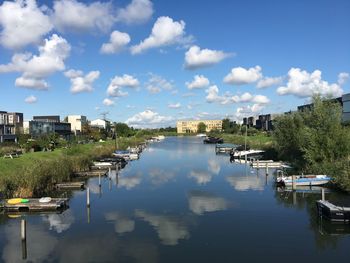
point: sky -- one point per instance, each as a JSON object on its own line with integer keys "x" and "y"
{"x": 151, "y": 63}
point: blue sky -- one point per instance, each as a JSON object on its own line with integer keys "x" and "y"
{"x": 168, "y": 60}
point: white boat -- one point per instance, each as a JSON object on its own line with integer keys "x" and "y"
{"x": 303, "y": 180}
{"x": 248, "y": 153}
{"x": 201, "y": 135}
{"x": 126, "y": 154}
{"x": 103, "y": 164}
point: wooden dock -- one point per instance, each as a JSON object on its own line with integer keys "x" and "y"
{"x": 34, "y": 205}
{"x": 268, "y": 163}
{"x": 91, "y": 173}
{"x": 71, "y": 185}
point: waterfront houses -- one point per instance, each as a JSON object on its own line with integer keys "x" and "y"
{"x": 191, "y": 126}
{"x": 11, "y": 123}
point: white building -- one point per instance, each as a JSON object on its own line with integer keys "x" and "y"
{"x": 102, "y": 124}
{"x": 77, "y": 122}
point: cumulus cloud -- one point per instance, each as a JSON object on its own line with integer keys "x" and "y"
{"x": 202, "y": 202}
{"x": 245, "y": 183}
{"x": 157, "y": 83}
{"x": 129, "y": 182}
{"x": 201, "y": 177}
{"x": 268, "y": 82}
{"x": 214, "y": 97}
{"x": 170, "y": 229}
{"x": 108, "y": 102}
{"x": 118, "y": 82}
{"x": 196, "y": 57}
{"x": 241, "y": 76}
{"x": 198, "y": 82}
{"x": 71, "y": 15}
{"x": 343, "y": 77}
{"x": 81, "y": 83}
{"x": 304, "y": 84}
{"x": 23, "y": 23}
{"x": 137, "y": 12}
{"x": 117, "y": 41}
{"x": 122, "y": 223}
{"x": 35, "y": 68}
{"x": 31, "y": 99}
{"x": 174, "y": 105}
{"x": 165, "y": 32}
{"x": 148, "y": 118}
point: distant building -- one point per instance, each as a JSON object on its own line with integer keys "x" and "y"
{"x": 265, "y": 122}
{"x": 11, "y": 123}
{"x": 77, "y": 122}
{"x": 192, "y": 126}
{"x": 100, "y": 123}
{"x": 346, "y": 108}
{"x": 41, "y": 125}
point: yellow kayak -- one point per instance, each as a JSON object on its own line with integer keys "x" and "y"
{"x": 14, "y": 201}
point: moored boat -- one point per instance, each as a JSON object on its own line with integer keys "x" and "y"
{"x": 213, "y": 140}
{"x": 303, "y": 180}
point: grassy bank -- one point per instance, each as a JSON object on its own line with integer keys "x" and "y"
{"x": 259, "y": 141}
{"x": 35, "y": 173}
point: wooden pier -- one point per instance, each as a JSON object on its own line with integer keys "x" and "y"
{"x": 91, "y": 173}
{"x": 71, "y": 185}
{"x": 34, "y": 205}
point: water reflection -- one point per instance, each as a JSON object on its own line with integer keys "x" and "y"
{"x": 247, "y": 182}
{"x": 214, "y": 166}
{"x": 60, "y": 222}
{"x": 122, "y": 223}
{"x": 201, "y": 202}
{"x": 160, "y": 176}
{"x": 170, "y": 229}
{"x": 130, "y": 181}
{"x": 202, "y": 177}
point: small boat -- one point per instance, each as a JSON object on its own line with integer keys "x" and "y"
{"x": 333, "y": 212}
{"x": 45, "y": 200}
{"x": 304, "y": 180}
{"x": 126, "y": 155}
{"x": 213, "y": 140}
{"x": 251, "y": 154}
{"x": 225, "y": 148}
{"x": 201, "y": 135}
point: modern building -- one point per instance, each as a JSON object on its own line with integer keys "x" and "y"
{"x": 77, "y": 123}
{"x": 41, "y": 125}
{"x": 346, "y": 108}
{"x": 100, "y": 123}
{"x": 192, "y": 126}
{"x": 265, "y": 122}
{"x": 11, "y": 123}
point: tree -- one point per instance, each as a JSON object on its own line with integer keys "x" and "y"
{"x": 226, "y": 124}
{"x": 123, "y": 130}
{"x": 201, "y": 127}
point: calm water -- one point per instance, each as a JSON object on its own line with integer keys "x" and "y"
{"x": 181, "y": 203}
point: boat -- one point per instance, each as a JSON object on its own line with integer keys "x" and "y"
{"x": 303, "y": 180}
{"x": 333, "y": 212}
{"x": 251, "y": 154}
{"x": 201, "y": 135}
{"x": 225, "y": 148}
{"x": 126, "y": 155}
{"x": 213, "y": 140}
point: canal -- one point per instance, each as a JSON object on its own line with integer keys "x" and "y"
{"x": 180, "y": 202}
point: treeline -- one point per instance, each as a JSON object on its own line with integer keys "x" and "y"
{"x": 316, "y": 141}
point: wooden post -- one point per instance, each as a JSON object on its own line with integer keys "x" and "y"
{"x": 109, "y": 172}
{"x": 88, "y": 197}
{"x": 99, "y": 180}
{"x": 294, "y": 198}
{"x": 258, "y": 164}
{"x": 293, "y": 182}
{"x": 267, "y": 169}
{"x": 323, "y": 195}
{"x": 23, "y": 230}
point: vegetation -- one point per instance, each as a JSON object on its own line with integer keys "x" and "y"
{"x": 315, "y": 141}
{"x": 201, "y": 127}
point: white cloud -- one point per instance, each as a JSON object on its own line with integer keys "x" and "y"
{"x": 248, "y": 110}
{"x": 174, "y": 105}
{"x": 130, "y": 182}
{"x": 71, "y": 15}
{"x": 23, "y": 23}
{"x": 241, "y": 76}
{"x": 35, "y": 68}
{"x": 201, "y": 202}
{"x": 148, "y": 118}
{"x": 343, "y": 77}
{"x": 31, "y": 99}
{"x": 214, "y": 97}
{"x": 118, "y": 82}
{"x": 169, "y": 228}
{"x": 198, "y": 58}
{"x": 117, "y": 41}
{"x": 268, "y": 82}
{"x": 201, "y": 177}
{"x": 108, "y": 102}
{"x": 165, "y": 32}
{"x": 137, "y": 12}
{"x": 81, "y": 83}
{"x": 157, "y": 83}
{"x": 122, "y": 223}
{"x": 304, "y": 84}
{"x": 198, "y": 82}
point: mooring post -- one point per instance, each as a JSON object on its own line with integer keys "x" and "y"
{"x": 110, "y": 184}
{"x": 267, "y": 169}
{"x": 258, "y": 164}
{"x": 294, "y": 197}
{"x": 109, "y": 172}
{"x": 88, "y": 214}
{"x": 293, "y": 182}
{"x": 88, "y": 197}
{"x": 99, "y": 180}
{"x": 323, "y": 195}
{"x": 23, "y": 230}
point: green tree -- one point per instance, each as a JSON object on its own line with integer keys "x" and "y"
{"x": 123, "y": 130}
{"x": 201, "y": 127}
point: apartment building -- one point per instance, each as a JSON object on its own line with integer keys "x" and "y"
{"x": 192, "y": 125}
{"x": 77, "y": 122}
{"x": 41, "y": 125}
{"x": 11, "y": 123}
